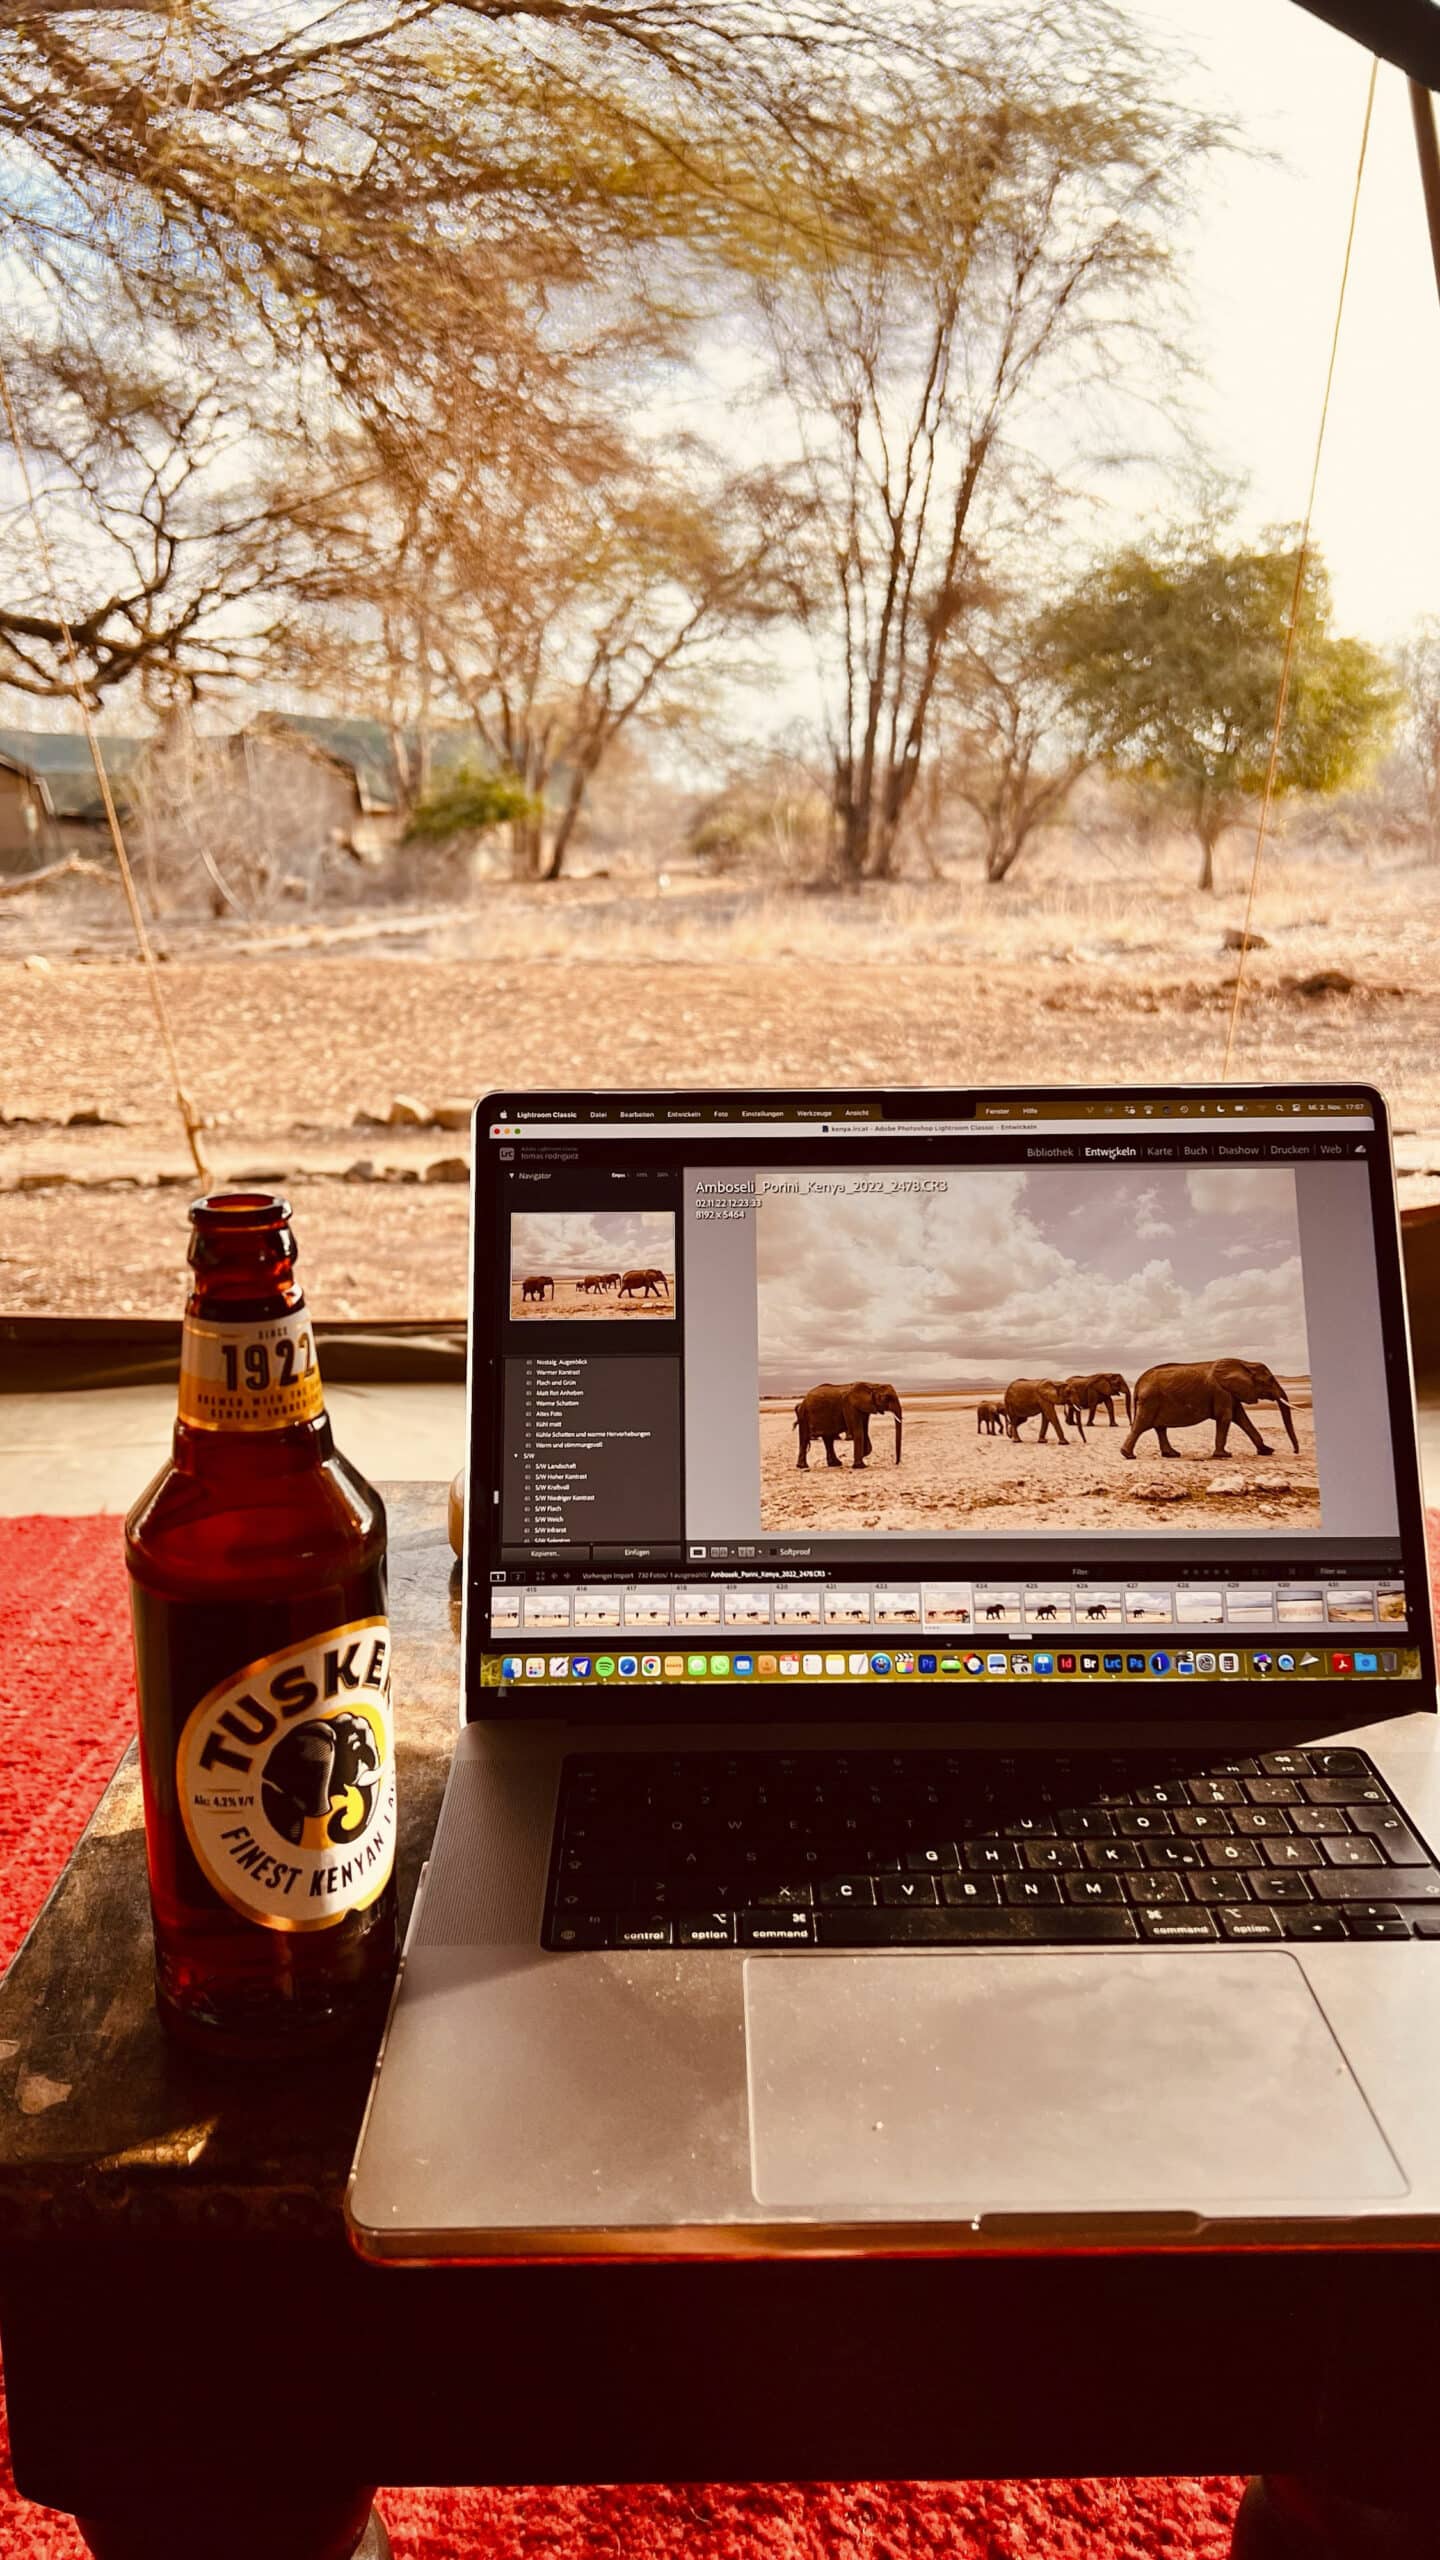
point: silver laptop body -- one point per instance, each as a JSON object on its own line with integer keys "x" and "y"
{"x": 692, "y": 1567}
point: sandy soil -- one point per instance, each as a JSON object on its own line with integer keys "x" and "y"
{"x": 952, "y": 1476}
{"x": 572, "y": 1305}
{"x": 385, "y": 1255}
{"x": 296, "y": 1044}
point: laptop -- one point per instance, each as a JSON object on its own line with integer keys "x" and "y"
{"x": 948, "y": 1735}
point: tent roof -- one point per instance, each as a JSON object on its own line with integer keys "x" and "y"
{"x": 364, "y": 745}
{"x": 367, "y": 749}
{"x": 1405, "y": 32}
{"x": 61, "y": 761}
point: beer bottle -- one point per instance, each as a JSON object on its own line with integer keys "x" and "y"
{"x": 257, "y": 1565}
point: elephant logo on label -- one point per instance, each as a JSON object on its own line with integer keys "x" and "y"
{"x": 319, "y": 1784}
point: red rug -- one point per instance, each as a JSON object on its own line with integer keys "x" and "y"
{"x": 65, "y": 1714}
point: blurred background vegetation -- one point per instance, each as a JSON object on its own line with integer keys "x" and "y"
{"x": 440, "y": 414}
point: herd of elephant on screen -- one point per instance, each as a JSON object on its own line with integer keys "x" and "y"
{"x": 1171, "y": 1397}
{"x": 598, "y": 1284}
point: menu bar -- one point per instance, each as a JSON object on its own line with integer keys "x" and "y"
{"x": 1190, "y": 1106}
{"x": 1167, "y": 1120}
{"x": 911, "y": 1110}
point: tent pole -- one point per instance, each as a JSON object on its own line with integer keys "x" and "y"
{"x": 1422, "y": 107}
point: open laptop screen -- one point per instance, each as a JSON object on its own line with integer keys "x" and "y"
{"x": 942, "y": 1392}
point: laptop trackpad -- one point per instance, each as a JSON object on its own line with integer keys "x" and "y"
{"x": 1011, "y": 2083}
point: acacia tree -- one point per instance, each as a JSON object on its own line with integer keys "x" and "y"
{"x": 548, "y": 608}
{"x": 1420, "y": 676}
{"x": 997, "y": 218}
{"x": 602, "y": 619}
{"x": 355, "y": 624}
{"x": 162, "y": 556}
{"x": 1009, "y": 749}
{"x": 1171, "y": 661}
{"x": 347, "y": 177}
{"x": 356, "y": 209}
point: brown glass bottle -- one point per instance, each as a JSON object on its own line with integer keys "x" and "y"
{"x": 257, "y": 1565}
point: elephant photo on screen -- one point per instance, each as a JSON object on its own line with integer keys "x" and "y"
{"x": 1084, "y": 1396}
{"x": 844, "y": 1413}
{"x": 1025, "y": 1397}
{"x": 990, "y": 1418}
{"x": 597, "y": 1266}
{"x": 1180, "y": 1393}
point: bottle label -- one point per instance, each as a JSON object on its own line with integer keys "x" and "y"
{"x": 286, "y": 1779}
{"x": 249, "y": 1377}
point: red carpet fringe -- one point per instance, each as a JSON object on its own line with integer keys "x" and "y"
{"x": 66, "y": 1713}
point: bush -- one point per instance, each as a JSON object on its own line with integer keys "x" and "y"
{"x": 466, "y": 803}
{"x": 775, "y": 829}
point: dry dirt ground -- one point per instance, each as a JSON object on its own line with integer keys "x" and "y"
{"x": 952, "y": 1476}
{"x": 297, "y": 1042}
{"x": 572, "y": 1305}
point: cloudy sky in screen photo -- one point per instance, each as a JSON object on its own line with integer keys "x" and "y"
{"x": 577, "y": 1240}
{"x": 1012, "y": 1273}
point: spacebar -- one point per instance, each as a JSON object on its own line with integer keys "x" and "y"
{"x": 1056, "y": 1926}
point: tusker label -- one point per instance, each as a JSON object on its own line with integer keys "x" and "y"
{"x": 249, "y": 1377}
{"x": 286, "y": 1779}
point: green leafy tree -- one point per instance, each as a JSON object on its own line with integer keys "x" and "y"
{"x": 1170, "y": 664}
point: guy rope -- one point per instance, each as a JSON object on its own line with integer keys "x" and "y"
{"x": 1287, "y": 660}
{"x": 189, "y": 1116}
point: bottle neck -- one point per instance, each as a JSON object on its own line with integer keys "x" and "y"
{"x": 249, "y": 1373}
{"x": 292, "y": 1449}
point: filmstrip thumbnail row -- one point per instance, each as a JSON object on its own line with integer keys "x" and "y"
{"x": 949, "y": 1608}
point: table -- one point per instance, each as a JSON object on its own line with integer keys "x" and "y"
{"x": 198, "y": 2365}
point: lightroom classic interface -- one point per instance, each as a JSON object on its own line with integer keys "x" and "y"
{"x": 917, "y": 1389}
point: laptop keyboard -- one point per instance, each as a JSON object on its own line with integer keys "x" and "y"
{"x": 954, "y": 1849}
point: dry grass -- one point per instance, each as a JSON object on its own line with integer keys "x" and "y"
{"x": 1072, "y": 899}
{"x": 1066, "y": 910}
{"x": 1071, "y": 902}
{"x": 1090, "y": 965}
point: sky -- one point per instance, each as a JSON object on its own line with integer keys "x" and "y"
{"x": 1265, "y": 264}
{"x": 577, "y": 1241}
{"x": 1013, "y": 1273}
